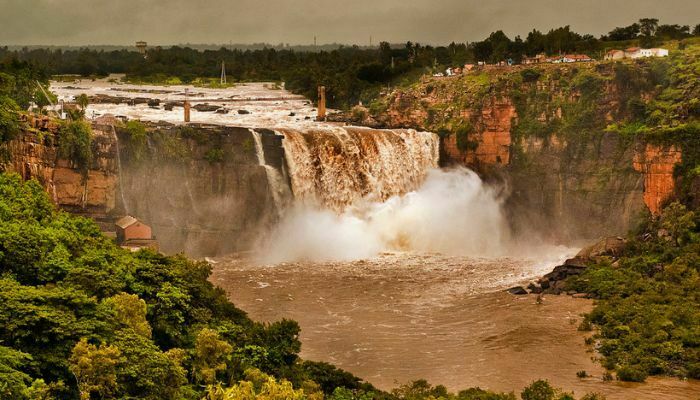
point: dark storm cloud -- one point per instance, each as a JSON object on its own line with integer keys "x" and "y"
{"x": 297, "y": 21}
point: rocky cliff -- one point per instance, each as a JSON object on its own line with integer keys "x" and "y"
{"x": 549, "y": 133}
{"x": 34, "y": 153}
{"x": 201, "y": 188}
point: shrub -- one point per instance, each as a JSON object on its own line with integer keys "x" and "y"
{"x": 462, "y": 136}
{"x": 530, "y": 75}
{"x": 538, "y": 390}
{"x": 75, "y": 143}
{"x": 214, "y": 156}
{"x": 138, "y": 139}
{"x": 631, "y": 374}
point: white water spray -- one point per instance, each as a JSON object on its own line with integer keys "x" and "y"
{"x": 452, "y": 213}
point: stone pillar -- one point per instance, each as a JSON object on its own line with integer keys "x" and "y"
{"x": 187, "y": 111}
{"x": 321, "y": 103}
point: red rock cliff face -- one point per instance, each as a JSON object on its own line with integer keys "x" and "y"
{"x": 34, "y": 154}
{"x": 657, "y": 164}
{"x": 493, "y": 136}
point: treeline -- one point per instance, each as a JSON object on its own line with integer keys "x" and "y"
{"x": 351, "y": 74}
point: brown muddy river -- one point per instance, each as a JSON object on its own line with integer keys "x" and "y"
{"x": 401, "y": 317}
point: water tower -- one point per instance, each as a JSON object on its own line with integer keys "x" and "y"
{"x": 141, "y": 46}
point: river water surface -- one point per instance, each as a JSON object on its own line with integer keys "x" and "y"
{"x": 402, "y": 316}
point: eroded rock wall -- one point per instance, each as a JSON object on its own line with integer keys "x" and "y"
{"x": 34, "y": 154}
{"x": 204, "y": 193}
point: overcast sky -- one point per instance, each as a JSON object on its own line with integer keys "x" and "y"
{"x": 82, "y": 22}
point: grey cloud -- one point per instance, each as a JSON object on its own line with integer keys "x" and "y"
{"x": 75, "y": 22}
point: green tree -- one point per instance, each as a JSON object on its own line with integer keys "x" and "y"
{"x": 210, "y": 355}
{"x": 94, "y": 369}
{"x": 75, "y": 143}
{"x": 538, "y": 390}
{"x": 82, "y": 101}
{"x": 678, "y": 222}
{"x": 648, "y": 26}
{"x": 259, "y": 386}
{"x": 130, "y": 311}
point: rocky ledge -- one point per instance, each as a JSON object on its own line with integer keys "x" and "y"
{"x": 555, "y": 282}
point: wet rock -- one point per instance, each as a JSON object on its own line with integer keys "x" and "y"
{"x": 534, "y": 288}
{"x": 243, "y": 112}
{"x": 223, "y": 111}
{"x": 517, "y": 290}
{"x": 206, "y": 107}
{"x": 291, "y": 114}
{"x": 562, "y": 272}
{"x": 153, "y": 103}
{"x": 172, "y": 104}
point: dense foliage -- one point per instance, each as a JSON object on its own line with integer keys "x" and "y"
{"x": 648, "y": 314}
{"x": 82, "y": 315}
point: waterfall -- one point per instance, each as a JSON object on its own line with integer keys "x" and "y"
{"x": 275, "y": 180}
{"x": 119, "y": 168}
{"x": 335, "y": 166}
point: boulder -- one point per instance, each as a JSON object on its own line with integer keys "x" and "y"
{"x": 243, "y": 112}
{"x": 608, "y": 247}
{"x": 517, "y": 290}
{"x": 206, "y": 107}
{"x": 534, "y": 288}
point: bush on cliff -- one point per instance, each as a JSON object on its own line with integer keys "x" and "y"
{"x": 75, "y": 143}
{"x": 648, "y": 313}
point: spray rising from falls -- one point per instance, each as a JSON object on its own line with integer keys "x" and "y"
{"x": 452, "y": 213}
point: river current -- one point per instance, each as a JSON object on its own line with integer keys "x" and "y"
{"x": 404, "y": 316}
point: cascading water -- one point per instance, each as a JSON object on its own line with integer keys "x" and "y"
{"x": 335, "y": 167}
{"x": 276, "y": 182}
{"x": 359, "y": 191}
{"x": 119, "y": 170}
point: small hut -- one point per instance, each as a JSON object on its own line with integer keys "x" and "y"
{"x": 134, "y": 234}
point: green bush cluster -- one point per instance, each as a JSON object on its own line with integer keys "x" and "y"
{"x": 648, "y": 313}
{"x": 75, "y": 143}
{"x": 140, "y": 315}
